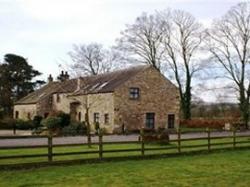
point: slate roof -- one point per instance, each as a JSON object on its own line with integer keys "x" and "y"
{"x": 101, "y": 83}
{"x": 107, "y": 82}
{"x": 47, "y": 90}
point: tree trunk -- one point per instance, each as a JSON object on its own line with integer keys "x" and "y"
{"x": 186, "y": 98}
{"x": 186, "y": 107}
{"x": 88, "y": 127}
{"x": 244, "y": 106}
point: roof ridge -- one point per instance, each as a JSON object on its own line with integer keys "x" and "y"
{"x": 142, "y": 66}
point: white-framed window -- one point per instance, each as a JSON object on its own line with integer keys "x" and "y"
{"x": 150, "y": 120}
{"x": 134, "y": 93}
{"x": 106, "y": 118}
{"x": 96, "y": 117}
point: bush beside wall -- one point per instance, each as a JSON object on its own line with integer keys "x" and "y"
{"x": 207, "y": 123}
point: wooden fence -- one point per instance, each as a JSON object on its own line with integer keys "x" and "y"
{"x": 142, "y": 149}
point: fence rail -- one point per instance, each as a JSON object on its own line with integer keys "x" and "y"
{"x": 178, "y": 144}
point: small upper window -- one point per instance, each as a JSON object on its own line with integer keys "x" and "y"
{"x": 58, "y": 98}
{"x": 134, "y": 93}
{"x": 106, "y": 118}
{"x": 96, "y": 118}
{"x": 17, "y": 114}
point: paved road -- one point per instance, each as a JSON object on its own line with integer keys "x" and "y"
{"x": 18, "y": 132}
{"x": 116, "y": 138}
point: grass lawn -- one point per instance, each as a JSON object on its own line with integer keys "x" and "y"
{"x": 224, "y": 168}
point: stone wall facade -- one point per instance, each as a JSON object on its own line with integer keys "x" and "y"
{"x": 45, "y": 106}
{"x": 156, "y": 95}
{"x": 25, "y": 112}
{"x": 101, "y": 103}
{"x": 61, "y": 102}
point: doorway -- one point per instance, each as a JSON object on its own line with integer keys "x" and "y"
{"x": 171, "y": 121}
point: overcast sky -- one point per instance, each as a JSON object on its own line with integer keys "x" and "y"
{"x": 44, "y": 30}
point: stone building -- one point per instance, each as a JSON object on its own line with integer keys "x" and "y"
{"x": 126, "y": 99}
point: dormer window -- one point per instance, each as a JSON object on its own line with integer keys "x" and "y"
{"x": 134, "y": 93}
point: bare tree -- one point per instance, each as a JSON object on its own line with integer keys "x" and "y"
{"x": 92, "y": 59}
{"x": 167, "y": 40}
{"x": 141, "y": 41}
{"x": 182, "y": 39}
{"x": 82, "y": 97}
{"x": 228, "y": 43}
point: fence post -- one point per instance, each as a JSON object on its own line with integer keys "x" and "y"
{"x": 234, "y": 137}
{"x": 179, "y": 139}
{"x": 14, "y": 128}
{"x": 142, "y": 142}
{"x": 50, "y": 147}
{"x": 208, "y": 139}
{"x": 100, "y": 144}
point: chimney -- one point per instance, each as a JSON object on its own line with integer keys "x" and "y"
{"x": 66, "y": 76}
{"x": 50, "y": 78}
{"x": 63, "y": 76}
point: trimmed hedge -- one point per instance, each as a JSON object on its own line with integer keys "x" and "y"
{"x": 7, "y": 124}
{"x": 52, "y": 123}
{"x": 37, "y": 121}
{"x": 205, "y": 123}
{"x": 75, "y": 128}
{"x": 10, "y": 124}
{"x": 65, "y": 119}
{"x": 24, "y": 125}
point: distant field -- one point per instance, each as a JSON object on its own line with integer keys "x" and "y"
{"x": 224, "y": 168}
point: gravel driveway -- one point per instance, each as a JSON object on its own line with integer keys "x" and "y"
{"x": 115, "y": 138}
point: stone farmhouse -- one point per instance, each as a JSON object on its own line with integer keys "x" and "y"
{"x": 125, "y": 99}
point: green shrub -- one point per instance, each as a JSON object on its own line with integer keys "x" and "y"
{"x": 7, "y": 123}
{"x": 75, "y": 128}
{"x": 37, "y": 121}
{"x": 1, "y": 113}
{"x": 65, "y": 119}
{"x": 24, "y": 124}
{"x": 52, "y": 123}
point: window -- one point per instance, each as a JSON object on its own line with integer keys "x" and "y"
{"x": 106, "y": 118}
{"x": 58, "y": 98}
{"x": 28, "y": 116}
{"x": 171, "y": 119}
{"x": 17, "y": 114}
{"x": 96, "y": 117}
{"x": 79, "y": 116}
{"x": 134, "y": 93}
{"x": 150, "y": 120}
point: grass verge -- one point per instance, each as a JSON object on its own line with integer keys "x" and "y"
{"x": 223, "y": 168}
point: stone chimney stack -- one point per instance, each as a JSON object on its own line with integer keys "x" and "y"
{"x": 66, "y": 76}
{"x": 50, "y": 78}
{"x": 63, "y": 76}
